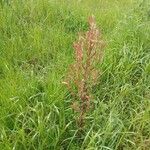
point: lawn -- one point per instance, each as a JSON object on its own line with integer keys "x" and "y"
{"x": 36, "y": 49}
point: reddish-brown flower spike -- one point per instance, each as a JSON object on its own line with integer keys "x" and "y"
{"x": 82, "y": 75}
{"x": 78, "y": 46}
{"x": 92, "y": 22}
{"x": 92, "y": 35}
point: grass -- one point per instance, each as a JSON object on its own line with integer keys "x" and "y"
{"x": 35, "y": 51}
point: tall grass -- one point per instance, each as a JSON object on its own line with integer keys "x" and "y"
{"x": 35, "y": 51}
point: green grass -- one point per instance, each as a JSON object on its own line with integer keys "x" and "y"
{"x": 36, "y": 39}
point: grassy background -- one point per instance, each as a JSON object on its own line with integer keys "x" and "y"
{"x": 36, "y": 39}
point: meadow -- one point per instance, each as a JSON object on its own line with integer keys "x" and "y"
{"x": 36, "y": 48}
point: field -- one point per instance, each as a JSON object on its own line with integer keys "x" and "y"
{"x": 36, "y": 48}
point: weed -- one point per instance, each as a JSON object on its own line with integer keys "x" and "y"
{"x": 82, "y": 75}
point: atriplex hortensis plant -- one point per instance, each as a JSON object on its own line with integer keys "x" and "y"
{"x": 82, "y": 75}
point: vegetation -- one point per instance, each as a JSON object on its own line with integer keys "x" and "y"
{"x": 82, "y": 75}
{"x": 36, "y": 49}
